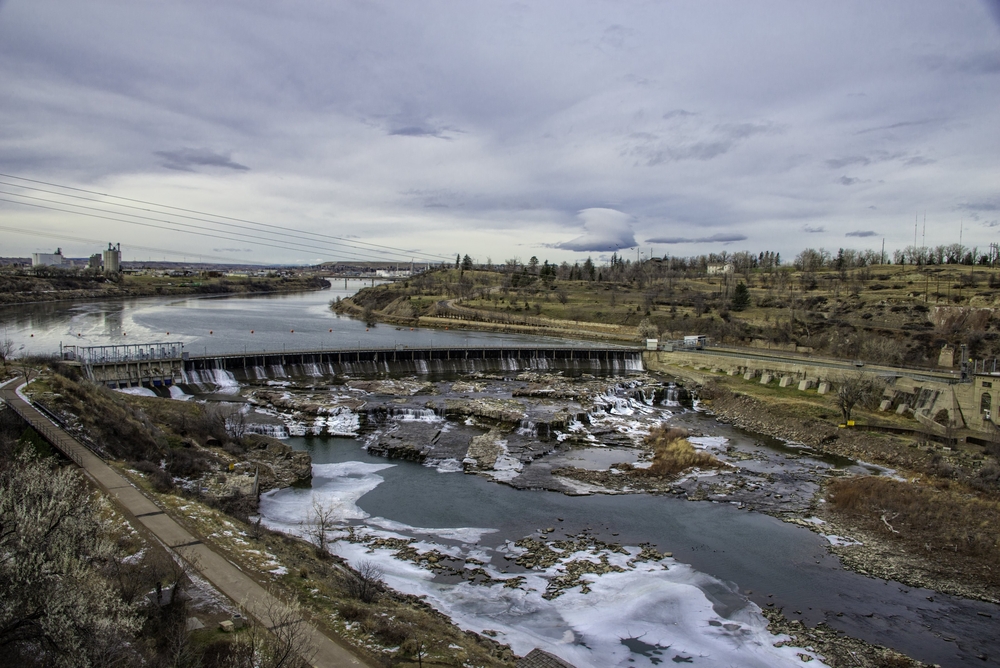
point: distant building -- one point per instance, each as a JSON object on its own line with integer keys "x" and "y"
{"x": 48, "y": 259}
{"x": 719, "y": 268}
{"x": 393, "y": 273}
{"x": 113, "y": 259}
{"x": 95, "y": 262}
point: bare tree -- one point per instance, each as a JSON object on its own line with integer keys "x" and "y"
{"x": 365, "y": 583}
{"x": 321, "y": 522}
{"x": 6, "y": 352}
{"x": 854, "y": 389}
{"x": 279, "y": 638}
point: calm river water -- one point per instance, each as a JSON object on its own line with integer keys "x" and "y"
{"x": 698, "y": 610}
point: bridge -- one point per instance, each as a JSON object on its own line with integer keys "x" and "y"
{"x": 166, "y": 363}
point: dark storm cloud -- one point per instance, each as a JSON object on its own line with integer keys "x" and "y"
{"x": 186, "y": 159}
{"x": 861, "y": 233}
{"x": 714, "y": 239}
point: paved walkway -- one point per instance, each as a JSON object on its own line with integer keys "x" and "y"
{"x": 225, "y": 576}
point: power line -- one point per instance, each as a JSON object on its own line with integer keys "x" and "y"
{"x": 65, "y": 237}
{"x": 245, "y": 238}
{"x": 299, "y": 235}
{"x": 341, "y": 240}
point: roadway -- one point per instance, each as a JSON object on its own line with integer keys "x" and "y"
{"x": 825, "y": 362}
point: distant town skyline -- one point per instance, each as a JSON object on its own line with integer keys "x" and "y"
{"x": 309, "y": 131}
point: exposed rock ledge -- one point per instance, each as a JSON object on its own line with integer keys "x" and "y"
{"x": 279, "y": 465}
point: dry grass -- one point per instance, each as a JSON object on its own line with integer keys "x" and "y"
{"x": 673, "y": 454}
{"x": 927, "y": 518}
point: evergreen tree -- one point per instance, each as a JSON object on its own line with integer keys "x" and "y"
{"x": 741, "y": 297}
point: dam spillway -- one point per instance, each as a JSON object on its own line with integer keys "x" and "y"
{"x": 407, "y": 362}
{"x": 148, "y": 365}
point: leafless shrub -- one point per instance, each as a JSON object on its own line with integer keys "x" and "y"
{"x": 280, "y": 638}
{"x": 365, "y": 583}
{"x": 319, "y": 525}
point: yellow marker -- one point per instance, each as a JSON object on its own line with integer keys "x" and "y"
{"x": 842, "y": 426}
{"x": 850, "y": 423}
{"x": 232, "y": 467}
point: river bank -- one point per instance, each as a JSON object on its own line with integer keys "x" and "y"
{"x": 25, "y": 289}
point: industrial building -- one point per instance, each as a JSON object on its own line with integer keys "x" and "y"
{"x": 48, "y": 259}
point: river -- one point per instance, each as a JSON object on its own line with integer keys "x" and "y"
{"x": 697, "y": 606}
{"x": 220, "y": 325}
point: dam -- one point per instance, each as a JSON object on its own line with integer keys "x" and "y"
{"x": 166, "y": 363}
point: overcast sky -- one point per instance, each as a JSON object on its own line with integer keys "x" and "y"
{"x": 556, "y": 129}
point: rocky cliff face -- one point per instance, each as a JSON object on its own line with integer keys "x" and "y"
{"x": 279, "y": 465}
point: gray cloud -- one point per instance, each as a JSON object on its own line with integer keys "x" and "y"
{"x": 678, "y": 113}
{"x": 714, "y": 239}
{"x": 693, "y": 140}
{"x": 418, "y": 131}
{"x": 810, "y": 229}
{"x": 861, "y": 233}
{"x": 896, "y": 126}
{"x": 848, "y": 180}
{"x": 605, "y": 230}
{"x": 840, "y": 163}
{"x": 980, "y": 206}
{"x": 186, "y": 159}
{"x": 334, "y": 107}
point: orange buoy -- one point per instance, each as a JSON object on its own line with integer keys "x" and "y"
{"x": 293, "y": 331}
{"x": 366, "y": 329}
{"x": 411, "y": 329}
{"x": 331, "y": 330}
{"x": 251, "y": 331}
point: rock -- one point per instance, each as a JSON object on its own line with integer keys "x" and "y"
{"x": 278, "y": 464}
{"x": 484, "y": 450}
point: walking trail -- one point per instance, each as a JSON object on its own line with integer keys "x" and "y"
{"x": 223, "y": 574}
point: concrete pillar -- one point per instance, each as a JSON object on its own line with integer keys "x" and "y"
{"x": 765, "y": 378}
{"x": 732, "y": 372}
{"x": 805, "y": 385}
{"x": 885, "y": 405}
{"x": 785, "y": 381}
{"x": 823, "y": 388}
{"x": 902, "y": 409}
{"x": 750, "y": 375}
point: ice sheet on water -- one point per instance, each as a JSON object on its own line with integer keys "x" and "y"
{"x": 334, "y": 486}
{"x": 708, "y": 442}
{"x": 840, "y": 541}
{"x": 664, "y": 606}
{"x": 467, "y": 535}
{"x": 449, "y": 465}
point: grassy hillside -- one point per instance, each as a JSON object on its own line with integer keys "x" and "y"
{"x": 881, "y": 314}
